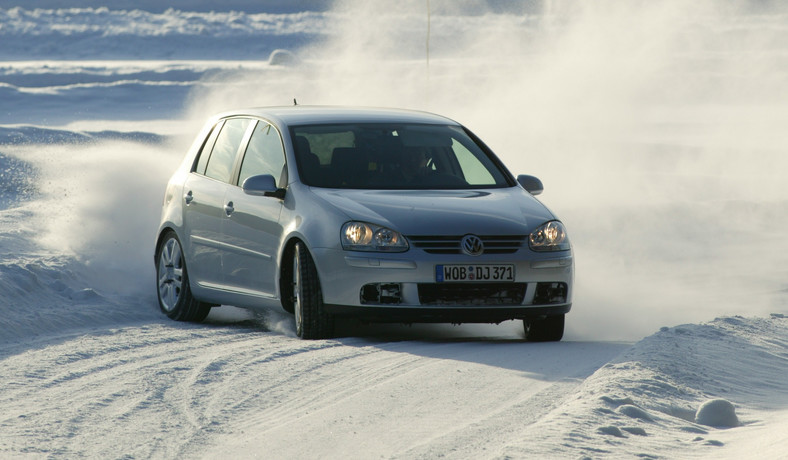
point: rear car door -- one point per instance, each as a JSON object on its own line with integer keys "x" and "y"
{"x": 204, "y": 210}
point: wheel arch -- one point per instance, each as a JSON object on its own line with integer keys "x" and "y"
{"x": 163, "y": 231}
{"x": 286, "y": 270}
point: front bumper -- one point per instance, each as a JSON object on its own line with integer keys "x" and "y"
{"x": 396, "y": 314}
{"x": 348, "y": 277}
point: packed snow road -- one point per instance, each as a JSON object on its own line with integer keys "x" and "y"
{"x": 230, "y": 387}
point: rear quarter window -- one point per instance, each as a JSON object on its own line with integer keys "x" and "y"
{"x": 205, "y": 152}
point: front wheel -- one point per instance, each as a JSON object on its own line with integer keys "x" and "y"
{"x": 312, "y": 322}
{"x": 547, "y": 329}
{"x": 172, "y": 282}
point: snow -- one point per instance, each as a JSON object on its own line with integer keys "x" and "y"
{"x": 717, "y": 412}
{"x": 657, "y": 129}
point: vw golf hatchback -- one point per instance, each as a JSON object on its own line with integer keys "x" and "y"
{"x": 377, "y": 214}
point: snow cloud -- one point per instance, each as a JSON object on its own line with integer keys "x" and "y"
{"x": 655, "y": 126}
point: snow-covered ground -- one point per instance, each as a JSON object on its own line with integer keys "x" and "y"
{"x": 658, "y": 129}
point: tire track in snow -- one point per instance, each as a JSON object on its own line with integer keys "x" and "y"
{"x": 173, "y": 390}
{"x": 231, "y": 378}
{"x": 409, "y": 399}
{"x": 484, "y": 435}
{"x": 314, "y": 384}
{"x": 136, "y": 386}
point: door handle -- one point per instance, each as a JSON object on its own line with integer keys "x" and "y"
{"x": 228, "y": 208}
{"x": 188, "y": 198}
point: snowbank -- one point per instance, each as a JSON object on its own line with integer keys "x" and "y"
{"x": 683, "y": 392}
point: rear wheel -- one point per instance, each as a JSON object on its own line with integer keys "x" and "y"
{"x": 544, "y": 329}
{"x": 172, "y": 282}
{"x": 312, "y": 322}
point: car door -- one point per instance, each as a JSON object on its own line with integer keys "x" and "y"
{"x": 204, "y": 200}
{"x": 252, "y": 230}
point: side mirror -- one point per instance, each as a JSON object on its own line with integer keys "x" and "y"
{"x": 531, "y": 184}
{"x": 262, "y": 185}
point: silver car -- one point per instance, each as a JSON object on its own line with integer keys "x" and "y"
{"x": 376, "y": 214}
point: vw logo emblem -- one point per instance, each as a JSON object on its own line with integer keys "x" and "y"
{"x": 472, "y": 245}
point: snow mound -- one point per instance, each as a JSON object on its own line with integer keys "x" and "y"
{"x": 53, "y": 295}
{"x": 717, "y": 413}
{"x": 283, "y": 58}
{"x": 673, "y": 391}
{"x": 636, "y": 413}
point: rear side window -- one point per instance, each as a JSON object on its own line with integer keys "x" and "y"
{"x": 220, "y": 163}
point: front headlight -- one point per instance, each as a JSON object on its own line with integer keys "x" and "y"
{"x": 361, "y": 236}
{"x": 549, "y": 237}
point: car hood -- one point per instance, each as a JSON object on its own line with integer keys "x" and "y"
{"x": 506, "y": 211}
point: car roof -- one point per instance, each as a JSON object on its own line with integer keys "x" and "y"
{"x": 307, "y": 115}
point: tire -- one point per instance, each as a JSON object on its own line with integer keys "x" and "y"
{"x": 547, "y": 329}
{"x": 172, "y": 283}
{"x": 312, "y": 322}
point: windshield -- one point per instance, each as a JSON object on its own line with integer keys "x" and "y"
{"x": 389, "y": 156}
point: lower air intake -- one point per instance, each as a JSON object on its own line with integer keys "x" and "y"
{"x": 472, "y": 294}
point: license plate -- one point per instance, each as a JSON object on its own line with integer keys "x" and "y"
{"x": 473, "y": 273}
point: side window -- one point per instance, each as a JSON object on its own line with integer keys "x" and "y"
{"x": 220, "y": 165}
{"x": 205, "y": 153}
{"x": 264, "y": 154}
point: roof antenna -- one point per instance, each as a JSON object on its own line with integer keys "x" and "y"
{"x": 295, "y": 102}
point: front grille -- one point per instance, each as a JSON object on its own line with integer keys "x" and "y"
{"x": 472, "y": 294}
{"x": 493, "y": 244}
